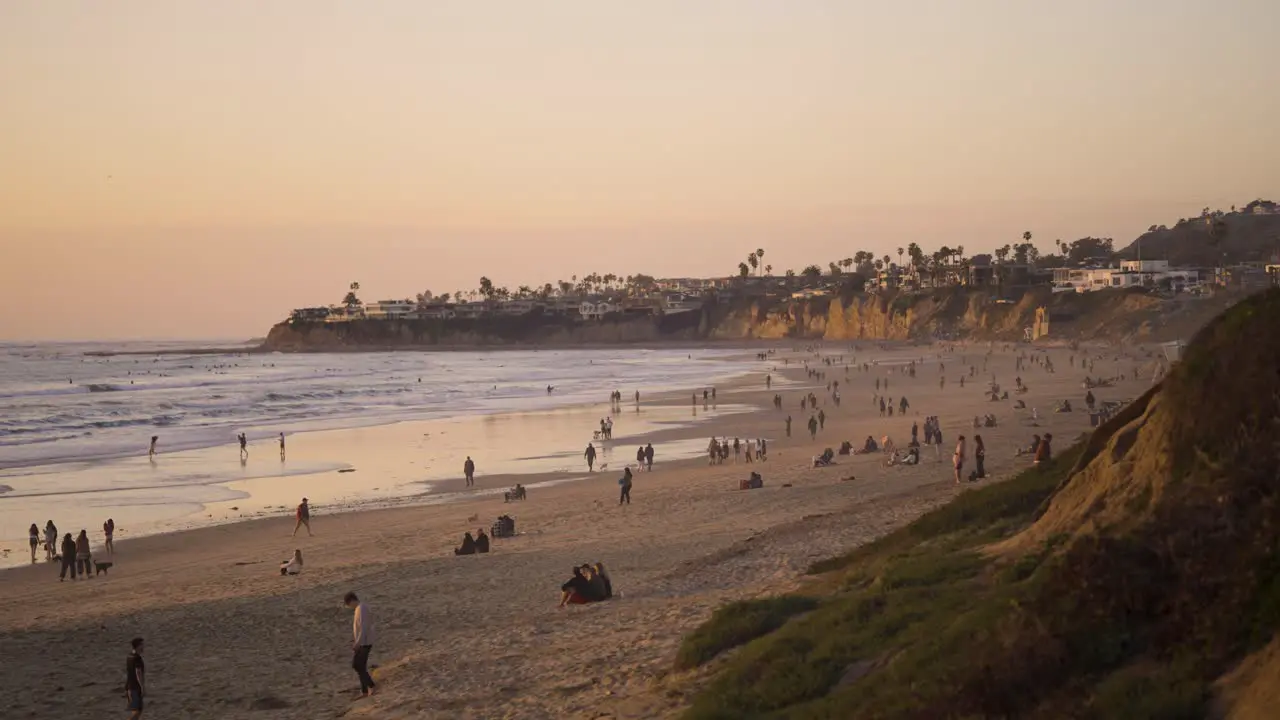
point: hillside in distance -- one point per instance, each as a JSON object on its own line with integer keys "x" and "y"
{"x": 1250, "y": 234}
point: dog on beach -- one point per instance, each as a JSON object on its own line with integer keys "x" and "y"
{"x": 101, "y": 568}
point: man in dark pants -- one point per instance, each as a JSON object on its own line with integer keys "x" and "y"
{"x": 135, "y": 680}
{"x": 68, "y": 557}
{"x": 469, "y": 469}
{"x": 361, "y": 642}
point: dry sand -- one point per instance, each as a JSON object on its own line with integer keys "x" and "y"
{"x": 481, "y": 636}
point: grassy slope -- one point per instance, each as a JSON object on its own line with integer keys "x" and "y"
{"x": 1134, "y": 619}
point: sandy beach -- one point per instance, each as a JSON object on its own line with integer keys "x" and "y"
{"x": 481, "y": 636}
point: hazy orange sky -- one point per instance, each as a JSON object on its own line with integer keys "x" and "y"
{"x": 196, "y": 169}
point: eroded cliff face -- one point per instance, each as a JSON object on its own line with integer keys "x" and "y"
{"x": 882, "y": 317}
{"x": 950, "y": 313}
{"x": 487, "y": 332}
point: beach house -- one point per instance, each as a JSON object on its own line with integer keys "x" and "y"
{"x": 595, "y": 310}
{"x": 391, "y": 310}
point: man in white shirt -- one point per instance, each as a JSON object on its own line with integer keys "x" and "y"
{"x": 361, "y": 642}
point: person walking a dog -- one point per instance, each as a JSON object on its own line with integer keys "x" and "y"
{"x": 304, "y": 517}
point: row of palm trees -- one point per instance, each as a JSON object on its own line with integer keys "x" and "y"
{"x": 939, "y": 266}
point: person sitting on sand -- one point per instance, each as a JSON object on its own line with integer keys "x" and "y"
{"x": 482, "y": 541}
{"x": 596, "y": 587}
{"x": 1044, "y": 453}
{"x": 576, "y": 590}
{"x": 913, "y": 455}
{"x": 1031, "y": 450}
{"x": 468, "y": 546}
{"x": 293, "y": 565}
{"x": 604, "y": 576}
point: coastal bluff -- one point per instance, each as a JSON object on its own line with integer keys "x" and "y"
{"x": 954, "y": 313}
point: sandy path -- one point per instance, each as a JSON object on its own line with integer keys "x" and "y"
{"x": 481, "y": 636}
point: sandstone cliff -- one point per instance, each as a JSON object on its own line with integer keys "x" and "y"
{"x": 948, "y": 313}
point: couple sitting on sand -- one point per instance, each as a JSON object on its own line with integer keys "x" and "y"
{"x": 472, "y": 546}
{"x": 590, "y": 583}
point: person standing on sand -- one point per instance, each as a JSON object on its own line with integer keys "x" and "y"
{"x": 640, "y": 458}
{"x": 34, "y": 533}
{"x": 979, "y": 457}
{"x": 152, "y": 452}
{"x": 109, "y": 531}
{"x": 648, "y": 456}
{"x": 304, "y": 517}
{"x": 590, "y": 455}
{"x": 813, "y": 428}
{"x": 50, "y": 540}
{"x": 281, "y": 447}
{"x": 958, "y": 458}
{"x": 244, "y": 445}
{"x": 135, "y": 679}
{"x": 822, "y": 419}
{"x": 788, "y": 426}
{"x": 362, "y": 638}
{"x": 68, "y": 557}
{"x": 625, "y": 483}
{"x": 469, "y": 470}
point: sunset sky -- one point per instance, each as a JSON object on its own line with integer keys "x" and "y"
{"x": 196, "y": 169}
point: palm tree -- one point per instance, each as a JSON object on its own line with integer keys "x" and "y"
{"x": 759, "y": 255}
{"x": 1026, "y": 236}
{"x": 753, "y": 261}
{"x": 834, "y": 268}
{"x": 900, "y": 252}
{"x": 486, "y": 288}
{"x": 743, "y": 270}
{"x": 768, "y": 270}
{"x": 812, "y": 272}
{"x": 351, "y": 300}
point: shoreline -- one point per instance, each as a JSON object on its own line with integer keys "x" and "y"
{"x": 674, "y": 344}
{"x": 228, "y": 499}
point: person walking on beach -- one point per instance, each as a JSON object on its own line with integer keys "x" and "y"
{"x": 244, "y": 445}
{"x": 34, "y": 537}
{"x": 958, "y": 458}
{"x": 362, "y": 638}
{"x": 822, "y": 419}
{"x": 281, "y": 447}
{"x": 109, "y": 531}
{"x": 639, "y": 458}
{"x": 152, "y": 452}
{"x": 469, "y": 470}
{"x": 788, "y": 426}
{"x": 648, "y": 456}
{"x": 135, "y": 679}
{"x": 304, "y": 517}
{"x": 590, "y": 455}
{"x": 68, "y": 558}
{"x": 813, "y": 428}
{"x": 625, "y": 483}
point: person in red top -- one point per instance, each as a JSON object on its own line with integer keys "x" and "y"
{"x": 304, "y": 517}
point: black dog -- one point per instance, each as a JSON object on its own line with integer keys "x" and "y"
{"x": 100, "y": 568}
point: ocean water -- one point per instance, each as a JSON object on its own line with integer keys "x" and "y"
{"x": 58, "y": 404}
{"x": 362, "y": 429}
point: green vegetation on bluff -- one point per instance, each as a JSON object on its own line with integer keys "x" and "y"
{"x": 1124, "y": 584}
